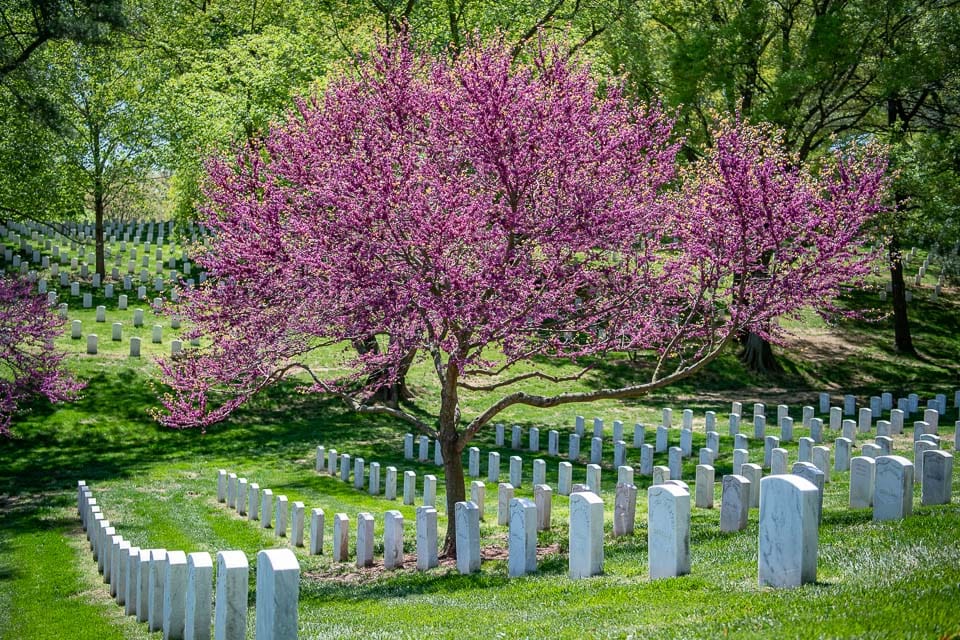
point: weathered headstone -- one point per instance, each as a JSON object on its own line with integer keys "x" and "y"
{"x": 543, "y": 498}
{"x": 230, "y": 611}
{"x": 624, "y": 509}
{"x": 734, "y": 503}
{"x": 478, "y": 493}
{"x": 468, "y": 537}
{"x": 937, "y": 482}
{"x": 668, "y": 531}
{"x": 841, "y": 460}
{"x": 788, "y": 532}
{"x": 278, "y": 592}
{"x": 198, "y": 609}
{"x": 522, "y": 558}
{"x": 316, "y": 531}
{"x": 426, "y": 538}
{"x": 341, "y": 537}
{"x": 393, "y": 539}
{"x": 504, "y": 496}
{"x": 564, "y": 478}
{"x": 704, "y": 486}
{"x": 893, "y": 488}
{"x": 296, "y": 524}
{"x": 493, "y": 467}
{"x": 174, "y": 596}
{"x": 586, "y": 535}
{"x": 753, "y": 473}
{"x": 862, "y": 478}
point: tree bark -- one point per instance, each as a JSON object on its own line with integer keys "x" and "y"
{"x": 455, "y": 484}
{"x": 757, "y": 355}
{"x": 387, "y": 394}
{"x": 901, "y": 321}
{"x": 98, "y": 209}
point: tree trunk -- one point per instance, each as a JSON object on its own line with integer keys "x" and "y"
{"x": 388, "y": 394}
{"x": 901, "y": 322}
{"x": 98, "y": 207}
{"x": 455, "y": 484}
{"x": 757, "y": 355}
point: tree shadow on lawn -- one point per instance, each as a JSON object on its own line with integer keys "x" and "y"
{"x": 108, "y": 434}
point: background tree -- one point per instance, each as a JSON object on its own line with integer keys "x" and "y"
{"x": 823, "y": 71}
{"x": 468, "y": 209}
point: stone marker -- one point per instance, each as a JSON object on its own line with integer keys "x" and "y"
{"x": 437, "y": 453}
{"x": 358, "y": 469}
{"x": 593, "y": 478}
{"x": 849, "y": 430}
{"x": 870, "y": 450}
{"x": 816, "y": 430}
{"x": 516, "y": 435}
{"x": 675, "y": 462}
{"x": 316, "y": 531}
{"x": 788, "y": 539}
{"x": 341, "y": 537}
{"x": 504, "y": 496}
{"x": 686, "y": 443}
{"x": 534, "y": 439}
{"x": 841, "y": 461}
{"x": 741, "y": 441}
{"x": 885, "y": 444}
{"x": 522, "y": 557}
{"x": 896, "y": 421}
{"x": 565, "y": 478}
{"x": 131, "y": 597}
{"x": 222, "y": 485}
{"x": 242, "y": 496}
{"x": 373, "y": 487}
{"x": 118, "y": 585}
{"x": 423, "y": 453}
{"x": 157, "y": 577}
{"x": 473, "y": 466}
{"x": 266, "y": 509}
{"x": 198, "y": 599}
{"x": 539, "y": 472}
{"x": 660, "y": 474}
{"x": 408, "y": 446}
{"x": 753, "y": 473}
{"x": 332, "y": 458}
{"x": 667, "y": 419}
{"x": 516, "y": 470}
{"x": 668, "y": 531}
{"x": 281, "y": 527}
{"x": 493, "y": 467}
{"x": 296, "y": 524}
{"x": 662, "y": 439}
{"x": 809, "y": 472}
{"x": 364, "y": 540}
{"x": 646, "y": 459}
{"x": 499, "y": 436}
{"x": 175, "y": 596}
{"x": 392, "y": 539}
{"x": 553, "y": 443}
{"x": 707, "y": 456}
{"x": 862, "y": 478}
{"x": 253, "y": 501}
{"x": 230, "y": 612}
{"x": 390, "y": 492}
{"x": 478, "y": 495}
{"x": 624, "y": 509}
{"x": 704, "y": 486}
{"x": 345, "y": 467}
{"x": 92, "y": 344}
{"x": 278, "y": 592}
{"x": 786, "y": 429}
{"x": 598, "y": 427}
{"x": 573, "y": 452}
{"x": 734, "y": 428}
{"x": 426, "y": 538}
{"x": 586, "y": 535}
{"x": 596, "y": 450}
{"x": 769, "y": 444}
{"x": 820, "y": 456}
{"x": 625, "y": 475}
{"x": 468, "y": 537}
{"x": 740, "y": 457}
{"x": 759, "y": 427}
{"x": 778, "y": 461}
{"x": 430, "y": 490}
{"x": 734, "y": 503}
{"x": 865, "y": 420}
{"x": 937, "y": 482}
{"x": 805, "y": 450}
{"x": 893, "y": 488}
{"x": 619, "y": 453}
{"x": 919, "y": 447}
{"x": 543, "y": 498}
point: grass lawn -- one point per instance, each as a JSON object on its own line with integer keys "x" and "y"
{"x": 158, "y": 487}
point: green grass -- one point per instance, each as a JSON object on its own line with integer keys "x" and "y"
{"x": 158, "y": 487}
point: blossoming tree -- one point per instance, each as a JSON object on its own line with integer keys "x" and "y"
{"x": 29, "y": 364}
{"x": 482, "y": 214}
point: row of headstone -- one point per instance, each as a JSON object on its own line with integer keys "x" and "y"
{"x": 171, "y": 591}
{"x": 343, "y": 464}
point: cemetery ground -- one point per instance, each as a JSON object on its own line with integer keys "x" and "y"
{"x": 158, "y": 487}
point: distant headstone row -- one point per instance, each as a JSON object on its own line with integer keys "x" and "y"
{"x": 172, "y": 591}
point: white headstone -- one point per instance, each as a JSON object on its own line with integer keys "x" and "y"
{"x": 426, "y": 538}
{"x": 937, "y": 482}
{"x": 278, "y": 592}
{"x": 586, "y": 535}
{"x": 468, "y": 537}
{"x": 788, "y": 537}
{"x": 199, "y": 596}
{"x": 893, "y": 488}
{"x": 230, "y": 612}
{"x": 668, "y": 531}
{"x": 522, "y": 558}
{"x": 392, "y": 539}
{"x": 704, "y": 486}
{"x": 862, "y": 478}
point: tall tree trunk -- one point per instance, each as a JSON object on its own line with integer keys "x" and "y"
{"x": 98, "y": 207}
{"x": 452, "y": 449}
{"x": 901, "y": 322}
{"x": 455, "y": 484}
{"x": 388, "y": 394}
